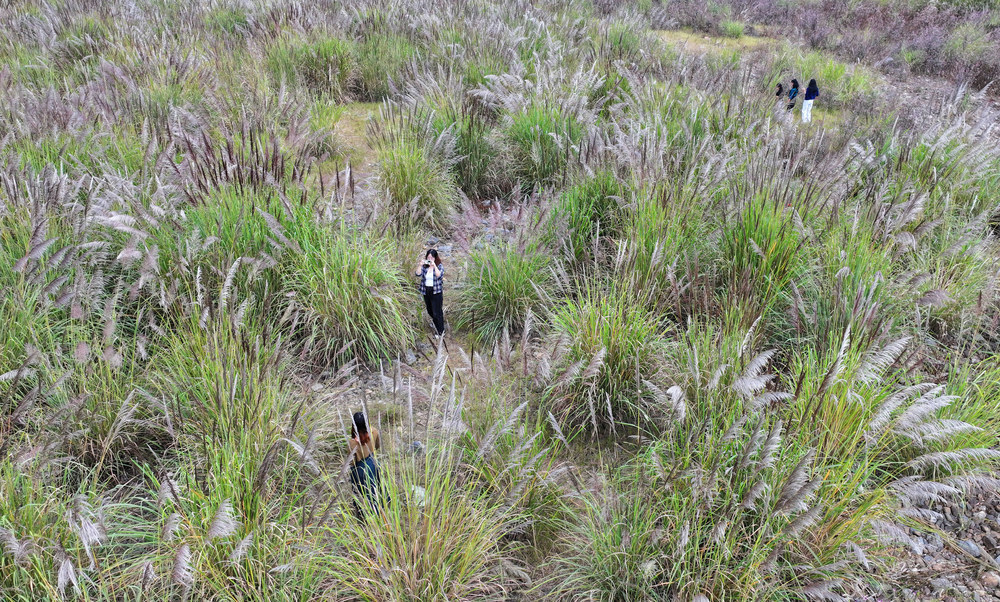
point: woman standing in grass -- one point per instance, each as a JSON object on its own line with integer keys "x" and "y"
{"x": 793, "y": 92}
{"x": 364, "y": 471}
{"x": 812, "y": 93}
{"x": 431, "y": 275}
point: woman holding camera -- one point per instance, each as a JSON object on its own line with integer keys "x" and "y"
{"x": 431, "y": 275}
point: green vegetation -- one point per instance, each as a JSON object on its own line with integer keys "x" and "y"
{"x": 731, "y": 29}
{"x": 503, "y": 288}
{"x": 696, "y": 350}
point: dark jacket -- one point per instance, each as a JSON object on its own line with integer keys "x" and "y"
{"x": 792, "y": 93}
{"x": 812, "y": 93}
{"x": 438, "y": 280}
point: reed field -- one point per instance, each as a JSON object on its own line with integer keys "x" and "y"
{"x": 697, "y": 350}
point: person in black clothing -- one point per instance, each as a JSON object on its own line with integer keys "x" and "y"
{"x": 812, "y": 93}
{"x": 431, "y": 275}
{"x": 780, "y": 90}
{"x": 793, "y": 92}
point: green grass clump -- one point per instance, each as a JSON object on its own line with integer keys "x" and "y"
{"x": 967, "y": 43}
{"x": 474, "y": 170}
{"x": 353, "y": 294}
{"x": 587, "y": 209}
{"x": 761, "y": 252}
{"x": 502, "y": 287}
{"x": 613, "y": 345}
{"x": 380, "y": 59}
{"x": 419, "y": 188}
{"x": 324, "y": 65}
{"x": 621, "y": 41}
{"x": 731, "y": 29}
{"x": 664, "y": 241}
{"x": 443, "y": 535}
{"x": 539, "y": 142}
{"x": 229, "y": 229}
{"x": 672, "y": 529}
{"x": 227, "y": 20}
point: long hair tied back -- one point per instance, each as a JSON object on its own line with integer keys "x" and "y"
{"x": 360, "y": 428}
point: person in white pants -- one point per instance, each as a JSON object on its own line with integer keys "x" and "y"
{"x": 812, "y": 93}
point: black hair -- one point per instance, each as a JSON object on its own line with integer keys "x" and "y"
{"x": 360, "y": 428}
{"x": 433, "y": 253}
{"x": 812, "y": 87}
{"x": 795, "y": 83}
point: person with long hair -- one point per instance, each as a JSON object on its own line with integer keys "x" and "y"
{"x": 793, "y": 93}
{"x": 430, "y": 274}
{"x": 779, "y": 90}
{"x": 812, "y": 93}
{"x": 364, "y": 471}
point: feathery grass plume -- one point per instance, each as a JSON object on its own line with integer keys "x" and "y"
{"x": 67, "y": 576}
{"x": 223, "y": 523}
{"x": 241, "y": 549}
{"x": 182, "y": 573}
{"x": 170, "y": 527}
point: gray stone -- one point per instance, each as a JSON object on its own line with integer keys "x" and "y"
{"x": 409, "y": 357}
{"x": 940, "y": 584}
{"x": 970, "y": 546}
{"x": 990, "y": 580}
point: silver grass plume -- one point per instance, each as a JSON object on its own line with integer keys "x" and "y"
{"x": 240, "y": 550}
{"x": 823, "y": 590}
{"x": 182, "y": 573}
{"x": 892, "y": 533}
{"x": 917, "y": 491}
{"x": 66, "y": 576}
{"x": 882, "y": 417}
{"x": 18, "y": 550}
{"x": 169, "y": 532}
{"x": 876, "y": 362}
{"x": 148, "y": 576}
{"x": 167, "y": 491}
{"x": 949, "y": 459}
{"x": 223, "y": 524}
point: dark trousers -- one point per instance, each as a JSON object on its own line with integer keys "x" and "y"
{"x": 434, "y": 303}
{"x": 365, "y": 478}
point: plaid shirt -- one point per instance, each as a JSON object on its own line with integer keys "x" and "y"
{"x": 438, "y": 281}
